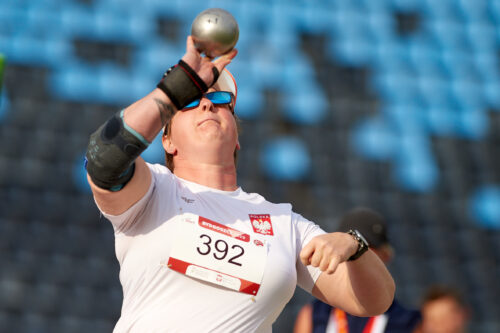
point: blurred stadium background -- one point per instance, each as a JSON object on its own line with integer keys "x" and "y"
{"x": 392, "y": 104}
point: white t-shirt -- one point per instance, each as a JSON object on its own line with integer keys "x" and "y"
{"x": 159, "y": 299}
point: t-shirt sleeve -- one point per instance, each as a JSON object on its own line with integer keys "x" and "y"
{"x": 305, "y": 231}
{"x": 127, "y": 219}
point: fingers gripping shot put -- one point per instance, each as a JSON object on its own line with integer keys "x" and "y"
{"x": 191, "y": 243}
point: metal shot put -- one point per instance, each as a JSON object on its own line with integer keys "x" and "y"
{"x": 215, "y": 32}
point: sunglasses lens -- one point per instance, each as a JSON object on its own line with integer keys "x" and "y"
{"x": 216, "y": 97}
{"x": 193, "y": 104}
{"x": 219, "y": 97}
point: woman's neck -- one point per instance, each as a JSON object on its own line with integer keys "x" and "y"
{"x": 220, "y": 177}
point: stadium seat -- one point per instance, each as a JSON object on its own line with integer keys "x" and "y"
{"x": 441, "y": 121}
{"x": 482, "y": 37}
{"x": 74, "y": 83}
{"x": 473, "y": 123}
{"x": 491, "y": 93}
{"x": 473, "y": 11}
{"x": 373, "y": 139}
{"x": 440, "y": 10}
{"x": 415, "y": 169}
{"x": 486, "y": 63}
{"x": 305, "y": 104}
{"x": 285, "y": 158}
{"x": 250, "y": 103}
{"x": 484, "y": 206}
{"x": 113, "y": 84}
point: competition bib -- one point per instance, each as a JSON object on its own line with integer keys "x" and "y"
{"x": 212, "y": 252}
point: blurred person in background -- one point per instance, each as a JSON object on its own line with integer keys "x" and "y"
{"x": 444, "y": 310}
{"x": 196, "y": 252}
{"x": 318, "y": 317}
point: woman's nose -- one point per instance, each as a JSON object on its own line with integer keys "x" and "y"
{"x": 207, "y": 105}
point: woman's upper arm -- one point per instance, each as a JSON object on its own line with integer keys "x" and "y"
{"x": 333, "y": 289}
{"x": 115, "y": 203}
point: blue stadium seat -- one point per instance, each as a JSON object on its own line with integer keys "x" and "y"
{"x": 285, "y": 158}
{"x": 473, "y": 11}
{"x": 313, "y": 18}
{"x": 43, "y": 20}
{"x": 494, "y": 10}
{"x": 12, "y": 16}
{"x": 450, "y": 35}
{"x": 482, "y": 37}
{"x": 265, "y": 70}
{"x": 113, "y": 85}
{"x": 458, "y": 64}
{"x": 487, "y": 65}
{"x": 491, "y": 89}
{"x": 355, "y": 52}
{"x": 304, "y": 102}
{"x": 281, "y": 37}
{"x": 23, "y": 47}
{"x": 389, "y": 57}
{"x": 135, "y": 28}
{"x": 75, "y": 82}
{"x": 440, "y": 10}
{"x": 374, "y": 139}
{"x": 154, "y": 58}
{"x": 405, "y": 118}
{"x": 141, "y": 84}
{"x": 250, "y": 102}
{"x": 425, "y": 57}
{"x": 56, "y": 51}
{"x": 375, "y": 7}
{"x": 351, "y": 41}
{"x": 405, "y": 5}
{"x": 297, "y": 68}
{"x": 436, "y": 92}
{"x": 397, "y": 88}
{"x": 76, "y": 19}
{"x": 468, "y": 93}
{"x": 380, "y": 27}
{"x": 484, "y": 206}
{"x": 416, "y": 169}
{"x": 441, "y": 121}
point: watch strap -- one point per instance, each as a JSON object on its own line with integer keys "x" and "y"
{"x": 362, "y": 245}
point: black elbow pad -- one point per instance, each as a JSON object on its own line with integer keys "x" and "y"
{"x": 111, "y": 153}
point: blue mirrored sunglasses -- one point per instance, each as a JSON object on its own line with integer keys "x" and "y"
{"x": 216, "y": 97}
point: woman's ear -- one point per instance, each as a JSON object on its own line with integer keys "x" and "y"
{"x": 168, "y": 145}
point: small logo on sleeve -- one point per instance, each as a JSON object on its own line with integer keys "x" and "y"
{"x": 261, "y": 224}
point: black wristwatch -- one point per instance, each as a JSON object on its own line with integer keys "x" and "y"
{"x": 362, "y": 244}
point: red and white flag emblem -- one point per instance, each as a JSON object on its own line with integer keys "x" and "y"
{"x": 261, "y": 224}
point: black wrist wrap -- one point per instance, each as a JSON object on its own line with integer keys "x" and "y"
{"x": 111, "y": 153}
{"x": 182, "y": 85}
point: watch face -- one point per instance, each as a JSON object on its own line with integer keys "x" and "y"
{"x": 362, "y": 237}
